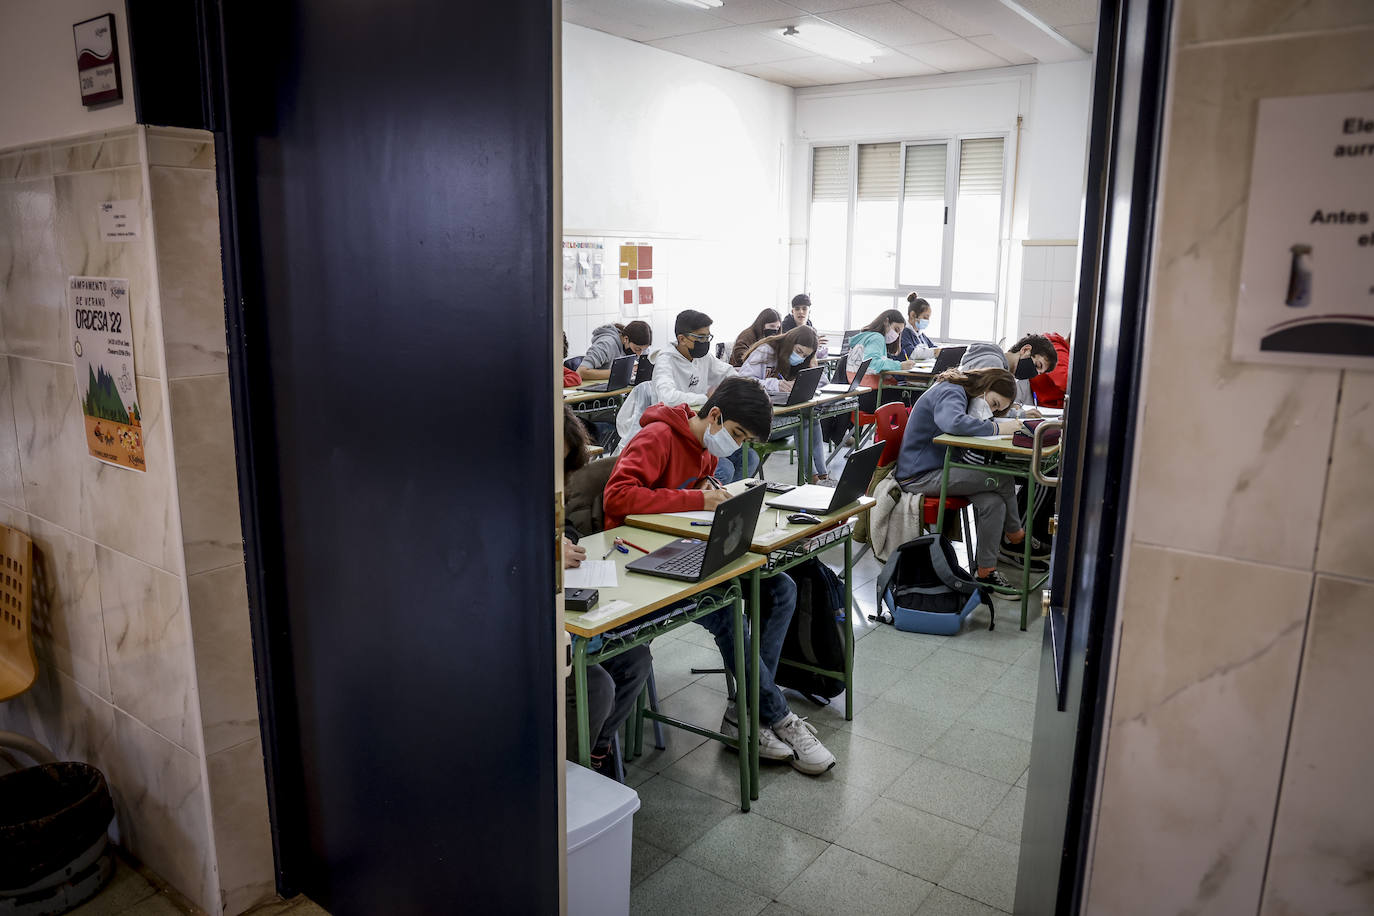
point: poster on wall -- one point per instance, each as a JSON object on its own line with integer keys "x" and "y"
{"x": 1307, "y": 272}
{"x": 97, "y": 60}
{"x": 103, "y": 344}
{"x": 636, "y": 279}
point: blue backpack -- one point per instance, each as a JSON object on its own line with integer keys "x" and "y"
{"x": 927, "y": 591}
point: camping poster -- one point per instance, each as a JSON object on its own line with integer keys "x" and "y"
{"x": 103, "y": 343}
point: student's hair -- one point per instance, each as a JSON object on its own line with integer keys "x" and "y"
{"x": 575, "y": 438}
{"x": 689, "y": 321}
{"x": 784, "y": 344}
{"x": 1040, "y": 346}
{"x": 976, "y": 382}
{"x": 889, "y": 316}
{"x": 801, "y": 300}
{"x": 917, "y": 306}
{"x": 565, "y": 344}
{"x": 767, "y": 316}
{"x": 638, "y": 332}
{"x": 744, "y": 401}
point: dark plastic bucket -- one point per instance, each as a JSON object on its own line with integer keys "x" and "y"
{"x": 53, "y": 820}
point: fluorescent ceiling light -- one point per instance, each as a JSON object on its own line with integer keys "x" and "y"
{"x": 832, "y": 41}
{"x": 702, "y": 4}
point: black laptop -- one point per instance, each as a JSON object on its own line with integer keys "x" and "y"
{"x": 622, "y": 371}
{"x": 803, "y": 388}
{"x": 947, "y": 358}
{"x": 841, "y": 387}
{"x": 819, "y": 500}
{"x": 691, "y": 560}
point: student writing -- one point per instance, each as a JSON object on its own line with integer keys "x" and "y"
{"x": 915, "y": 342}
{"x": 775, "y": 362}
{"x": 612, "y": 341}
{"x": 872, "y": 342}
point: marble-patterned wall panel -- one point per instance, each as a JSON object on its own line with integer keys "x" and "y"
{"x": 186, "y": 219}
{"x": 1207, "y": 20}
{"x": 83, "y": 252}
{"x": 224, "y": 657}
{"x": 1208, "y": 656}
{"x": 135, "y": 511}
{"x": 161, "y": 806}
{"x": 52, "y": 441}
{"x": 11, "y": 477}
{"x": 1322, "y": 863}
{"x": 68, "y": 624}
{"x": 110, "y": 149}
{"x": 207, "y": 482}
{"x": 148, "y": 635}
{"x": 65, "y": 717}
{"x": 33, "y": 310}
{"x": 238, "y": 794}
{"x": 191, "y": 149}
{"x": 1229, "y": 462}
{"x": 1346, "y": 546}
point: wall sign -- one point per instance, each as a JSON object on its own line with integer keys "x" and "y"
{"x": 97, "y": 60}
{"x": 118, "y": 220}
{"x": 1307, "y": 273}
{"x": 103, "y": 342}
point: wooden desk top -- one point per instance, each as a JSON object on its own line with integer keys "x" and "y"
{"x": 772, "y": 533}
{"x": 819, "y": 399}
{"x": 644, "y": 593}
{"x": 920, "y": 370}
{"x": 580, "y": 395}
{"x": 989, "y": 444}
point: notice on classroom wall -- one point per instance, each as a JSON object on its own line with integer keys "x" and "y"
{"x": 636, "y": 279}
{"x": 103, "y": 343}
{"x": 1307, "y": 271}
{"x": 118, "y": 220}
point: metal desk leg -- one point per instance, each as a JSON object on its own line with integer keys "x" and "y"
{"x": 746, "y": 777}
{"x": 584, "y": 742}
{"x": 1026, "y": 525}
{"x": 944, "y": 493}
{"x": 755, "y": 578}
{"x": 849, "y": 628}
{"x": 804, "y": 446}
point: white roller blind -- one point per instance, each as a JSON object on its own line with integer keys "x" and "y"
{"x": 980, "y": 167}
{"x": 925, "y": 173}
{"x": 830, "y": 173}
{"x": 880, "y": 170}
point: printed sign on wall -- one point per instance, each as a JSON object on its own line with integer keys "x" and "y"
{"x": 103, "y": 342}
{"x": 1307, "y": 273}
{"x": 97, "y": 60}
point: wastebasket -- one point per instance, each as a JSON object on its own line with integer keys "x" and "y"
{"x": 600, "y": 819}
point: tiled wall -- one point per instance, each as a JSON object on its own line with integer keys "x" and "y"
{"x": 141, "y": 616}
{"x": 1048, "y": 282}
{"x": 1241, "y": 735}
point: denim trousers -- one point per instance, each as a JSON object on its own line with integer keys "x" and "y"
{"x": 778, "y": 600}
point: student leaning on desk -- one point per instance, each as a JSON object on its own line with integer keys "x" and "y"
{"x": 775, "y": 362}
{"x": 664, "y": 469}
{"x": 609, "y": 343}
{"x": 915, "y": 344}
{"x": 1030, "y": 356}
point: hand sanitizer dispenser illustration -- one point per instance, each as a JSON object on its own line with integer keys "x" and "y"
{"x": 1300, "y": 277}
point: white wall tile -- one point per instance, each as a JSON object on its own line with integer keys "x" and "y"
{"x": 1065, "y": 262}
{"x": 1346, "y": 545}
{"x": 1060, "y": 301}
{"x": 11, "y": 477}
{"x": 1035, "y": 262}
{"x": 1034, "y": 297}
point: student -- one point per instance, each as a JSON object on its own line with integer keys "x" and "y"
{"x": 615, "y": 684}
{"x": 914, "y": 342}
{"x": 662, "y": 470}
{"x": 872, "y": 342}
{"x": 1049, "y": 387}
{"x": 766, "y": 324}
{"x": 1030, "y": 356}
{"x": 800, "y": 315}
{"x": 570, "y": 377}
{"x": 611, "y": 341}
{"x": 775, "y": 362}
{"x": 949, "y": 406}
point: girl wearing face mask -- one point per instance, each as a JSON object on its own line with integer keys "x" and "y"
{"x": 775, "y": 362}
{"x": 768, "y": 323}
{"x": 872, "y": 343}
{"x": 916, "y": 344}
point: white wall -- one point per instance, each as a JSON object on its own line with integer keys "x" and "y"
{"x": 685, "y": 156}
{"x": 1055, "y": 142}
{"x": 38, "y": 82}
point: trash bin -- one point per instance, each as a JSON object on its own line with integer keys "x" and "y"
{"x": 600, "y": 821}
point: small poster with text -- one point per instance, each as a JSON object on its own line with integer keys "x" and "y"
{"x": 103, "y": 344}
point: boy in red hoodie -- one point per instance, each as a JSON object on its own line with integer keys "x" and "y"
{"x": 1049, "y": 387}
{"x": 663, "y": 469}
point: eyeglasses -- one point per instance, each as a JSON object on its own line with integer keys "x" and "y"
{"x": 700, "y": 337}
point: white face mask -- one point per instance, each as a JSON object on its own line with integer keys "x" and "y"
{"x": 892, "y": 335}
{"x": 720, "y": 443}
{"x": 979, "y": 409}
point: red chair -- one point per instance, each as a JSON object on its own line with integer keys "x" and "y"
{"x": 890, "y": 424}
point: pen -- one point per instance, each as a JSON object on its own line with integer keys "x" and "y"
{"x": 701, "y": 524}
{"x": 627, "y": 543}
{"x": 609, "y": 551}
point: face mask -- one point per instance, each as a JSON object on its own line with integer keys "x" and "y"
{"x": 700, "y": 348}
{"x": 892, "y": 335}
{"x": 772, "y": 328}
{"x": 796, "y": 359}
{"x": 1026, "y": 368}
{"x": 720, "y": 443}
{"x": 978, "y": 409}
{"x": 922, "y": 323}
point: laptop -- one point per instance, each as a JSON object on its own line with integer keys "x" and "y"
{"x": 948, "y": 358}
{"x": 841, "y": 387}
{"x": 622, "y": 372}
{"x": 803, "y": 388}
{"x": 690, "y": 560}
{"x": 819, "y": 500}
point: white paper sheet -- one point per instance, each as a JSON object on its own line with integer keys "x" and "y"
{"x": 696, "y": 516}
{"x": 591, "y": 574}
{"x": 603, "y": 611}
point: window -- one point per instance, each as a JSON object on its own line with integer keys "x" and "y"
{"x": 923, "y": 217}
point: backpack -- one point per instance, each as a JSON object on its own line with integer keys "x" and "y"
{"x": 815, "y": 636}
{"x": 927, "y": 591}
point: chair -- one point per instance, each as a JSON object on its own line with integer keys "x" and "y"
{"x": 889, "y": 425}
{"x": 18, "y": 665}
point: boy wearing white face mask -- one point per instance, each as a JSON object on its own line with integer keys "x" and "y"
{"x": 916, "y": 344}
{"x": 775, "y": 362}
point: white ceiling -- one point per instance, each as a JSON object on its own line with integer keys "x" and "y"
{"x": 919, "y": 37}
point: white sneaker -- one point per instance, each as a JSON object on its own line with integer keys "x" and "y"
{"x": 770, "y": 746}
{"x": 811, "y": 756}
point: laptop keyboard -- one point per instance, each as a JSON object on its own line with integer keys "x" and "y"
{"x": 689, "y": 562}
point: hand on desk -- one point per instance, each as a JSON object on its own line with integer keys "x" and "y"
{"x": 712, "y": 498}
{"x": 908, "y": 363}
{"x": 784, "y": 386}
{"x": 572, "y": 554}
{"x": 1030, "y": 413}
{"x": 1007, "y": 425}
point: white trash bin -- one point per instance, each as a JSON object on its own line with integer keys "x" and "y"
{"x": 600, "y": 821}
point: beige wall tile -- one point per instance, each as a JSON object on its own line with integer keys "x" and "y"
{"x": 11, "y": 478}
{"x": 65, "y": 717}
{"x": 1346, "y": 546}
{"x": 1208, "y": 20}
{"x": 68, "y": 625}
{"x": 1321, "y": 861}
{"x": 1208, "y": 659}
{"x": 224, "y": 657}
{"x": 207, "y": 480}
{"x": 109, "y": 150}
{"x": 238, "y": 792}
{"x": 52, "y": 441}
{"x": 181, "y": 149}
{"x": 151, "y": 657}
{"x": 186, "y": 218}
{"x": 32, "y": 284}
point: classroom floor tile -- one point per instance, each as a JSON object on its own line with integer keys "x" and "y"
{"x": 755, "y": 852}
{"x": 898, "y": 725}
{"x": 819, "y": 805}
{"x": 986, "y": 872}
{"x": 891, "y": 646}
{"x": 125, "y": 888}
{"x": 954, "y": 794}
{"x": 1017, "y": 681}
{"x": 680, "y": 888}
{"x": 645, "y": 859}
{"x": 714, "y": 769}
{"x": 1005, "y": 820}
{"x": 949, "y": 664}
{"x": 981, "y": 750}
{"x": 912, "y": 841}
{"x": 841, "y": 881}
{"x": 933, "y": 695}
{"x": 673, "y": 816}
{"x": 942, "y": 902}
{"x": 864, "y": 762}
{"x": 1007, "y": 715}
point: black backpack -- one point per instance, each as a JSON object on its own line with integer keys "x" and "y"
{"x": 923, "y": 579}
{"x": 815, "y": 637}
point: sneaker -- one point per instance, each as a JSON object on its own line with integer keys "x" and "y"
{"x": 811, "y": 756}
{"x": 994, "y": 579}
{"x": 1039, "y": 550}
{"x": 770, "y": 746}
{"x": 603, "y": 763}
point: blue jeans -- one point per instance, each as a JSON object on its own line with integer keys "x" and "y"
{"x": 778, "y": 600}
{"x": 727, "y": 469}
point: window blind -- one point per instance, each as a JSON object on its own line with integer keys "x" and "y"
{"x": 880, "y": 170}
{"x": 830, "y": 173}
{"x": 925, "y": 172}
{"x": 980, "y": 167}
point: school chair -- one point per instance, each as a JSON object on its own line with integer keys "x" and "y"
{"x": 889, "y": 425}
{"x": 18, "y": 665}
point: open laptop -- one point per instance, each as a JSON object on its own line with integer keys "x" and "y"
{"x": 691, "y": 560}
{"x": 622, "y": 371}
{"x": 819, "y": 500}
{"x": 803, "y": 388}
{"x": 947, "y": 358}
{"x": 841, "y": 387}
